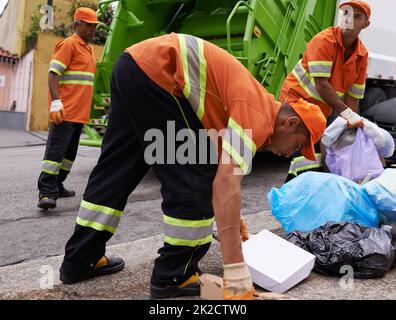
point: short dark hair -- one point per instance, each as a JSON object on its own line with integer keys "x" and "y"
{"x": 288, "y": 110}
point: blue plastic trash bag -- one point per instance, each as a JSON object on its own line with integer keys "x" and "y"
{"x": 382, "y": 193}
{"x": 313, "y": 199}
{"x": 354, "y": 161}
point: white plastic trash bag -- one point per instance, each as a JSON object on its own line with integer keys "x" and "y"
{"x": 382, "y": 193}
{"x": 382, "y": 139}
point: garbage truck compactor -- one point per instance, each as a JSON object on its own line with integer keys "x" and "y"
{"x": 267, "y": 36}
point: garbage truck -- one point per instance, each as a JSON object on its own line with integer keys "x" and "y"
{"x": 267, "y": 36}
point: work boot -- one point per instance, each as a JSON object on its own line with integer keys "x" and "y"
{"x": 46, "y": 203}
{"x": 64, "y": 193}
{"x": 190, "y": 287}
{"x": 103, "y": 267}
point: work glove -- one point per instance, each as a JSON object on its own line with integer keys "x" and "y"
{"x": 244, "y": 230}
{"x": 57, "y": 112}
{"x": 353, "y": 119}
{"x": 237, "y": 282}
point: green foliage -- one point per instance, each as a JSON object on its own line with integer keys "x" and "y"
{"x": 30, "y": 37}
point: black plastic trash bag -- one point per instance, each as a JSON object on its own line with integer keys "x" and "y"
{"x": 369, "y": 251}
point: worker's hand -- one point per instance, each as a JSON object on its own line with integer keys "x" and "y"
{"x": 237, "y": 282}
{"x": 354, "y": 120}
{"x": 244, "y": 230}
{"x": 57, "y": 112}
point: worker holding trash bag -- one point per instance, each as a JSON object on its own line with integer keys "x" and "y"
{"x": 331, "y": 74}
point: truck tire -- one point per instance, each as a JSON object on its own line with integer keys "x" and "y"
{"x": 373, "y": 96}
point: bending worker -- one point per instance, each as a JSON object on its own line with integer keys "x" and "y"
{"x": 188, "y": 83}
{"x": 332, "y": 75}
{"x": 70, "y": 80}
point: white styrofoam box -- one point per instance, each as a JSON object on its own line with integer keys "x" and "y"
{"x": 276, "y": 264}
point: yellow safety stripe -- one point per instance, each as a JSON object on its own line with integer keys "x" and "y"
{"x": 202, "y": 79}
{"x": 312, "y": 166}
{"x": 55, "y": 71}
{"x": 183, "y": 53}
{"x": 241, "y": 132}
{"x": 59, "y": 63}
{"x": 357, "y": 91}
{"x": 320, "y": 63}
{"x": 88, "y": 83}
{"x": 80, "y": 73}
{"x": 95, "y": 225}
{"x": 188, "y": 243}
{"x": 320, "y": 68}
{"x": 236, "y": 156}
{"x": 305, "y": 81}
{"x": 66, "y": 165}
{"x": 103, "y": 209}
{"x": 187, "y": 223}
{"x": 50, "y": 167}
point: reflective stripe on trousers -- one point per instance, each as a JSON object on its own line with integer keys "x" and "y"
{"x": 50, "y": 167}
{"x": 302, "y": 164}
{"x": 190, "y": 233}
{"x": 98, "y": 217}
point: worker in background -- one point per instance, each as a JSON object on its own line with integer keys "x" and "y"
{"x": 188, "y": 83}
{"x": 331, "y": 74}
{"x": 70, "y": 81}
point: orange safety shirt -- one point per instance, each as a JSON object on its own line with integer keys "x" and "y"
{"x": 74, "y": 61}
{"x": 324, "y": 58}
{"x": 222, "y": 92}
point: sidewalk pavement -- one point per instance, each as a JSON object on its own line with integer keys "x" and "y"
{"x": 18, "y": 138}
{"x": 22, "y": 281}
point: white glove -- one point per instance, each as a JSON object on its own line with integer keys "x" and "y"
{"x": 56, "y": 105}
{"x": 57, "y": 112}
{"x": 238, "y": 284}
{"x": 354, "y": 120}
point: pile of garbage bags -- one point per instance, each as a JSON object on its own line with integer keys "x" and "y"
{"x": 338, "y": 221}
{"x": 369, "y": 251}
{"x": 314, "y": 198}
{"x": 336, "y": 216}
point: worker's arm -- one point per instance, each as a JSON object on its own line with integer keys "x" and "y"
{"x": 53, "y": 81}
{"x": 352, "y": 103}
{"x": 227, "y": 208}
{"x": 329, "y": 95}
{"x": 237, "y": 281}
{"x": 57, "y": 112}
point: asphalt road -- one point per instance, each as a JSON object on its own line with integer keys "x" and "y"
{"x": 26, "y": 233}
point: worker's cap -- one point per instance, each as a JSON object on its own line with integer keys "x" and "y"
{"x": 358, "y": 4}
{"x": 314, "y": 121}
{"x": 86, "y": 14}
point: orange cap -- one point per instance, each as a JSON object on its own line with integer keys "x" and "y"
{"x": 86, "y": 14}
{"x": 315, "y": 122}
{"x": 359, "y": 4}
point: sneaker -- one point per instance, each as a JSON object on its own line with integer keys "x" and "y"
{"x": 190, "y": 287}
{"x": 46, "y": 203}
{"x": 64, "y": 193}
{"x": 103, "y": 267}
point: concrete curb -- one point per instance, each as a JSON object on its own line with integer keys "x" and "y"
{"x": 22, "y": 281}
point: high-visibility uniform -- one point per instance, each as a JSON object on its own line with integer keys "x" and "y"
{"x": 195, "y": 85}
{"x": 324, "y": 58}
{"x": 74, "y": 62}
